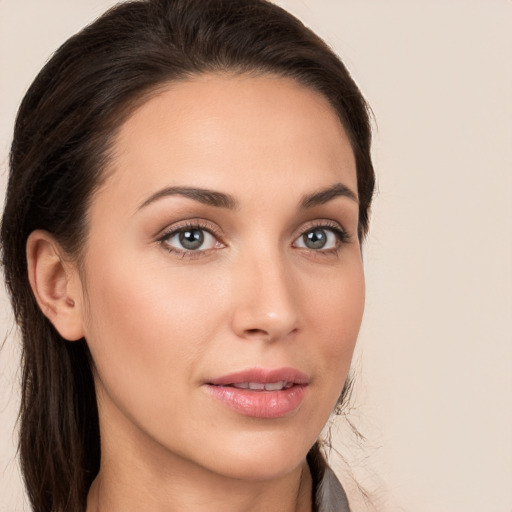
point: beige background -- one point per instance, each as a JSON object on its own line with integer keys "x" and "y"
{"x": 434, "y": 392}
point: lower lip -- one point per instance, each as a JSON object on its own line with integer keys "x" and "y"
{"x": 260, "y": 404}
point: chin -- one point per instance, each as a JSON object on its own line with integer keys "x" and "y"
{"x": 264, "y": 457}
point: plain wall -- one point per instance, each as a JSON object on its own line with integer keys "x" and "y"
{"x": 434, "y": 367}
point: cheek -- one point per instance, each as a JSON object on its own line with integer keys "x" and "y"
{"x": 335, "y": 314}
{"x": 147, "y": 331}
{"x": 149, "y": 320}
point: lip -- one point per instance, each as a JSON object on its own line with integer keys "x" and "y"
{"x": 260, "y": 403}
{"x": 263, "y": 375}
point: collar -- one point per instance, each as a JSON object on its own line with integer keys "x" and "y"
{"x": 328, "y": 491}
{"x": 329, "y": 495}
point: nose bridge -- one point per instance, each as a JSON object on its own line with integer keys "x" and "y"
{"x": 264, "y": 300}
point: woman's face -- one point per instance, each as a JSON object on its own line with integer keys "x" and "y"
{"x": 222, "y": 281}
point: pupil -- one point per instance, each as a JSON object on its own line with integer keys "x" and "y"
{"x": 192, "y": 239}
{"x": 315, "y": 239}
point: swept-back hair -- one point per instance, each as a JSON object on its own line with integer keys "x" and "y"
{"x": 62, "y": 141}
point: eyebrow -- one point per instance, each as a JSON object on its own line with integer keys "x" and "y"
{"x": 222, "y": 200}
{"x": 326, "y": 195}
{"x": 205, "y": 196}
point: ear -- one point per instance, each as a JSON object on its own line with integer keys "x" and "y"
{"x": 56, "y": 284}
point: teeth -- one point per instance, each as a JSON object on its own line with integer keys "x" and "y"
{"x": 275, "y": 386}
{"x": 257, "y": 386}
{"x": 260, "y": 386}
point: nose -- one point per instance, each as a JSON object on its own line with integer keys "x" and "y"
{"x": 265, "y": 299}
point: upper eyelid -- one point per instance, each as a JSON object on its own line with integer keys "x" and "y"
{"x": 188, "y": 224}
{"x": 322, "y": 223}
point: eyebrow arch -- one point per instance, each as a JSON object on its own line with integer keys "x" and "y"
{"x": 324, "y": 196}
{"x": 208, "y": 197}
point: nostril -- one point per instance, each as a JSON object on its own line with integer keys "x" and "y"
{"x": 256, "y": 331}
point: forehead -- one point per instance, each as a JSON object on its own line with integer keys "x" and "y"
{"x": 237, "y": 132}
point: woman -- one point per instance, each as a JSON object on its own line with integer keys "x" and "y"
{"x": 190, "y": 183}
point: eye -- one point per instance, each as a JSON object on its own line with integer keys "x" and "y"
{"x": 189, "y": 239}
{"x": 320, "y": 238}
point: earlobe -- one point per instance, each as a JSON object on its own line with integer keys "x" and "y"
{"x": 55, "y": 284}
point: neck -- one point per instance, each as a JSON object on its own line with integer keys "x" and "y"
{"x": 115, "y": 491}
{"x": 137, "y": 473}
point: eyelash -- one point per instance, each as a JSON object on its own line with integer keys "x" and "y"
{"x": 191, "y": 226}
{"x": 342, "y": 236}
{"x": 340, "y": 233}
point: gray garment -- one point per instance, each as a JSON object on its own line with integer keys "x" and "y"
{"x": 329, "y": 495}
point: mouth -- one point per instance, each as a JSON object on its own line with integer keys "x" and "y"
{"x": 261, "y": 386}
{"x": 261, "y": 393}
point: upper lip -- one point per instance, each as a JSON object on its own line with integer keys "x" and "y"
{"x": 263, "y": 375}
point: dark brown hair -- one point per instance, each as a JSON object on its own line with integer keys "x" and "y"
{"x": 62, "y": 137}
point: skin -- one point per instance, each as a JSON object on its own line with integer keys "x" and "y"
{"x": 160, "y": 322}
